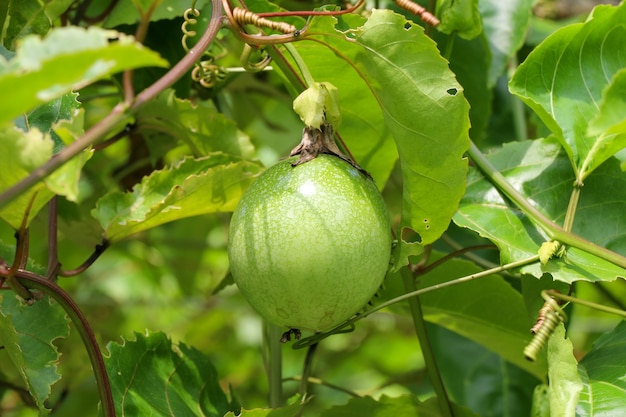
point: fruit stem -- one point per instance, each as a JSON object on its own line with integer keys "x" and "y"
{"x": 306, "y": 370}
{"x": 273, "y": 345}
{"x": 415, "y": 307}
{"x": 297, "y": 59}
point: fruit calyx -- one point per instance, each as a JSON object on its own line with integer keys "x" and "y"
{"x": 320, "y": 141}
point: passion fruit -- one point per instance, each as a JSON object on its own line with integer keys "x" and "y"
{"x": 309, "y": 245}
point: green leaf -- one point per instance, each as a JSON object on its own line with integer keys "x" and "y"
{"x": 151, "y": 376}
{"x": 609, "y": 125}
{"x": 541, "y": 402}
{"x": 403, "y": 406}
{"x": 45, "y": 116}
{"x": 28, "y": 333}
{"x": 565, "y": 384}
{"x": 199, "y": 126}
{"x": 27, "y": 17}
{"x": 562, "y": 80}
{"x": 487, "y": 384}
{"x": 23, "y": 153}
{"x": 459, "y": 17}
{"x": 418, "y": 94}
{"x": 287, "y": 411}
{"x": 192, "y": 187}
{"x": 602, "y": 374}
{"x": 542, "y": 173}
{"x": 129, "y": 12}
{"x": 66, "y": 59}
{"x": 506, "y": 25}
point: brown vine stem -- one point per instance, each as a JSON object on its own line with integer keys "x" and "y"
{"x": 120, "y": 111}
{"x": 35, "y": 281}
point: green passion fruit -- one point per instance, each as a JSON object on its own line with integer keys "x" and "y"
{"x": 309, "y": 245}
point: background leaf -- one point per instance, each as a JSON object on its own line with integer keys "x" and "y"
{"x": 67, "y": 59}
{"x": 190, "y": 188}
{"x": 151, "y": 376}
{"x": 562, "y": 80}
{"x": 601, "y": 371}
{"x": 487, "y": 384}
{"x": 28, "y": 333}
{"x": 506, "y": 24}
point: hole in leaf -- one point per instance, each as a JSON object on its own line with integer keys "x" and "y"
{"x": 452, "y": 91}
{"x": 407, "y": 26}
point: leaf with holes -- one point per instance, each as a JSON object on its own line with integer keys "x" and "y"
{"x": 417, "y": 94}
{"x": 152, "y": 376}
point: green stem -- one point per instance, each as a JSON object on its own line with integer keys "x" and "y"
{"x": 568, "y": 223}
{"x": 599, "y": 307}
{"x": 274, "y": 364}
{"x": 34, "y": 281}
{"x": 517, "y": 106}
{"x": 306, "y": 370}
{"x": 304, "y": 70}
{"x": 349, "y": 323}
{"x": 427, "y": 352}
{"x": 449, "y": 46}
{"x": 554, "y": 231}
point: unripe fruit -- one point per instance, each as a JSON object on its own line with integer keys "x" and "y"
{"x": 309, "y": 245}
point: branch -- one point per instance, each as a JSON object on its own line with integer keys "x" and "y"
{"x": 119, "y": 112}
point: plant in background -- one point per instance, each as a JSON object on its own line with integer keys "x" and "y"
{"x": 129, "y": 131}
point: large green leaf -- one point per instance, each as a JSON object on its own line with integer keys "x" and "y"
{"x": 487, "y": 384}
{"x": 562, "y": 80}
{"x": 66, "y": 59}
{"x": 565, "y": 384}
{"x": 28, "y": 333}
{"x": 151, "y": 376}
{"x": 542, "y": 173}
{"x": 505, "y": 24}
{"x": 192, "y": 187}
{"x": 403, "y": 406}
{"x": 602, "y": 372}
{"x": 418, "y": 94}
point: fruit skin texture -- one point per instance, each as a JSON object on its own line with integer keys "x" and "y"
{"x": 309, "y": 245}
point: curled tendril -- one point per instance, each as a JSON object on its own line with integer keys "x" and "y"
{"x": 418, "y": 10}
{"x": 208, "y": 74}
{"x": 292, "y": 34}
{"x": 550, "y": 315}
{"x": 205, "y": 72}
{"x": 251, "y": 66}
{"x": 246, "y": 17}
{"x": 189, "y": 20}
